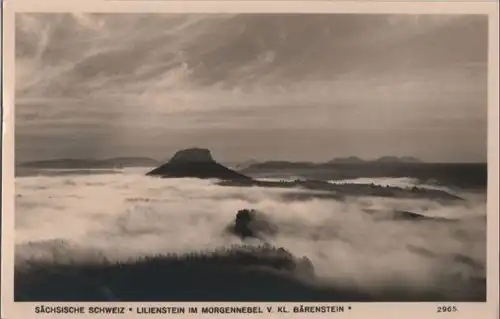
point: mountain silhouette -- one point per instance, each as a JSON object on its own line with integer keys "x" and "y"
{"x": 86, "y": 163}
{"x": 395, "y": 159}
{"x": 196, "y": 163}
{"x": 347, "y": 160}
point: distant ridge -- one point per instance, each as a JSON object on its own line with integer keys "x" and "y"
{"x": 246, "y": 164}
{"x": 72, "y": 163}
{"x": 196, "y": 163}
{"x": 395, "y": 159}
{"x": 338, "y": 160}
{"x": 383, "y": 159}
{"x": 133, "y": 161}
{"x": 350, "y": 159}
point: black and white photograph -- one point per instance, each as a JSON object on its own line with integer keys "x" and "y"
{"x": 250, "y": 157}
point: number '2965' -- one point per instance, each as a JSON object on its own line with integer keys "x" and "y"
{"x": 447, "y": 309}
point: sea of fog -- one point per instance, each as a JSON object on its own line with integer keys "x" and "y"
{"x": 125, "y": 214}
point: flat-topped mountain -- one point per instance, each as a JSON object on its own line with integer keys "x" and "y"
{"x": 196, "y": 163}
{"x": 193, "y": 155}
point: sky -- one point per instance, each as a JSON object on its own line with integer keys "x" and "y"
{"x": 262, "y": 87}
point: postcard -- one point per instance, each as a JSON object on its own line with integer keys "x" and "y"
{"x": 294, "y": 159}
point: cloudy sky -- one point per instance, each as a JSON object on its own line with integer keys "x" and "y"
{"x": 297, "y": 87}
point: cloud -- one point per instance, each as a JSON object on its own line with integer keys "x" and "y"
{"x": 234, "y": 51}
{"x": 148, "y": 74}
{"x": 125, "y": 216}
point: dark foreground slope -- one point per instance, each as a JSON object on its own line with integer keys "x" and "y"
{"x": 239, "y": 273}
{"x": 195, "y": 163}
{"x": 260, "y": 274}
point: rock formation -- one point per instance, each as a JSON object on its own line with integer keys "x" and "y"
{"x": 251, "y": 223}
{"x": 193, "y": 155}
{"x": 196, "y": 163}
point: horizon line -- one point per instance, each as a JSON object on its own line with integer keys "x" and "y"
{"x": 327, "y": 161}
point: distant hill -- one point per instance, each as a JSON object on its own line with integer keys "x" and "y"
{"x": 133, "y": 161}
{"x": 350, "y": 159}
{"x": 395, "y": 159}
{"x": 71, "y": 163}
{"x": 68, "y": 163}
{"x": 339, "y": 160}
{"x": 196, "y": 163}
{"x": 280, "y": 165}
{"x": 245, "y": 164}
{"x": 383, "y": 159}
